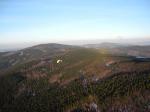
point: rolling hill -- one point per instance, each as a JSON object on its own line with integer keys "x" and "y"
{"x": 85, "y": 80}
{"x": 43, "y": 51}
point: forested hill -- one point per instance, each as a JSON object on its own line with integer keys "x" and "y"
{"x": 62, "y": 78}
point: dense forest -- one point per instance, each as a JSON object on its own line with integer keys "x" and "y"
{"x": 40, "y": 96}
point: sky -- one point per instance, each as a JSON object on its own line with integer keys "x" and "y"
{"x": 41, "y": 21}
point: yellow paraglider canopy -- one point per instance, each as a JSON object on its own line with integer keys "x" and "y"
{"x": 59, "y": 61}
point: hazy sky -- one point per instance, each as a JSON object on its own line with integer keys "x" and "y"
{"x": 61, "y": 20}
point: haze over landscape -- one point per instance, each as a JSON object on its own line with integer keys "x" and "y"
{"x": 31, "y": 22}
{"x": 74, "y": 56}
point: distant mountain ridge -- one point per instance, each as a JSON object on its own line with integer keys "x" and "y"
{"x": 116, "y": 48}
{"x": 105, "y": 45}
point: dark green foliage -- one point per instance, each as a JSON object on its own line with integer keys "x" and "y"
{"x": 40, "y": 96}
